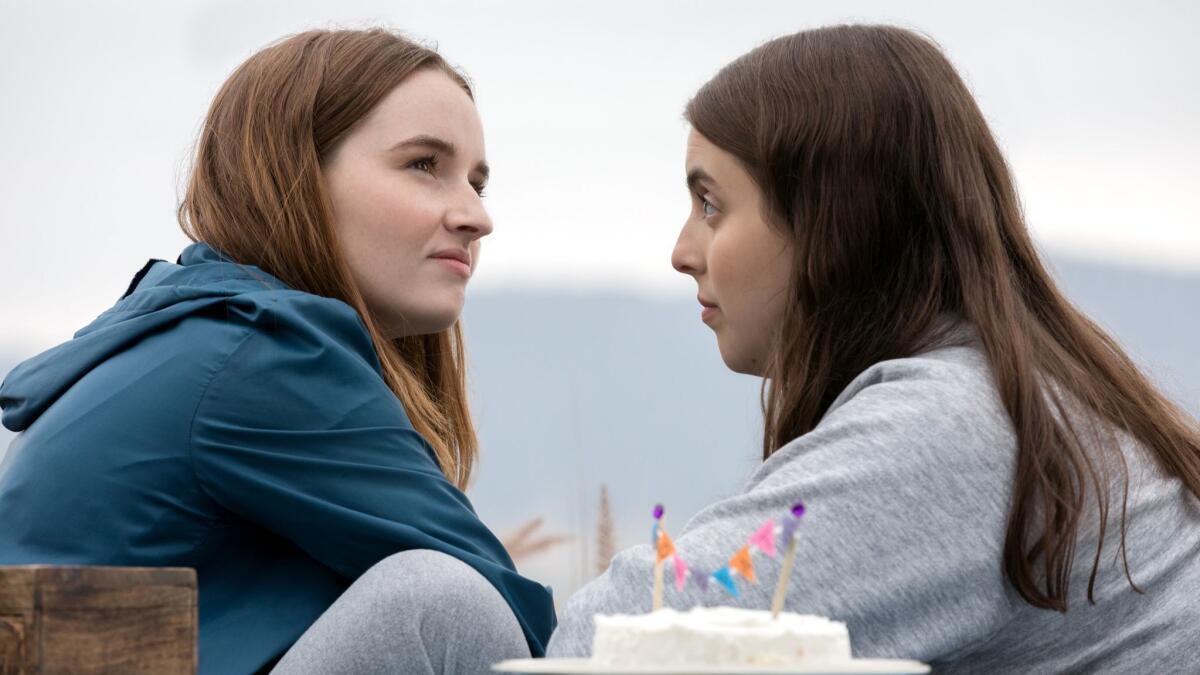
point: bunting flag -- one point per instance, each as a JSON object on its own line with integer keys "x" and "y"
{"x": 701, "y": 578}
{"x": 764, "y": 538}
{"x": 666, "y": 548}
{"x": 789, "y": 531}
{"x": 680, "y": 573}
{"x": 741, "y": 563}
{"x": 654, "y": 535}
{"x": 725, "y": 579}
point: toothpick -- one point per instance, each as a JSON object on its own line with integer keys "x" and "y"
{"x": 781, "y": 587}
{"x": 658, "y": 585}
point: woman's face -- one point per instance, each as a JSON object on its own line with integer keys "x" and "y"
{"x": 741, "y": 264}
{"x": 406, "y": 186}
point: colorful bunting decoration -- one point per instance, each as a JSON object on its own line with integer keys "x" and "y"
{"x": 666, "y": 547}
{"x": 789, "y": 531}
{"x": 681, "y": 571}
{"x": 764, "y": 538}
{"x": 742, "y": 562}
{"x": 724, "y": 578}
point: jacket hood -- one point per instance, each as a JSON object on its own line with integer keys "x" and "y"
{"x": 161, "y": 294}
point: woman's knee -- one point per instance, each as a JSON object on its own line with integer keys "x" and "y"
{"x": 422, "y": 579}
{"x": 444, "y": 597}
{"x": 413, "y": 612}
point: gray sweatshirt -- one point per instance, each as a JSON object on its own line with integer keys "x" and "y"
{"x": 907, "y": 482}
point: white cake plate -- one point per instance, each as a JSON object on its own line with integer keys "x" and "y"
{"x": 587, "y": 667}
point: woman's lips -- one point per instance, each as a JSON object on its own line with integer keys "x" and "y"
{"x": 456, "y": 266}
{"x": 709, "y": 310}
{"x": 454, "y": 260}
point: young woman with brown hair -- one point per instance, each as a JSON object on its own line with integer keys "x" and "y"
{"x": 284, "y": 408}
{"x": 992, "y": 485}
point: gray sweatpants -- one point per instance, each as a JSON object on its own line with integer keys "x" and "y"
{"x": 419, "y": 612}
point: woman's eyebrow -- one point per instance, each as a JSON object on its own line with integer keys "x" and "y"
{"x": 698, "y": 176}
{"x": 427, "y": 141}
{"x": 439, "y": 144}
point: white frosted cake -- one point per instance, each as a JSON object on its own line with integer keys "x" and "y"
{"x": 717, "y": 636}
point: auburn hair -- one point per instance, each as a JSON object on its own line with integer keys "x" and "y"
{"x": 877, "y": 164}
{"x": 256, "y": 193}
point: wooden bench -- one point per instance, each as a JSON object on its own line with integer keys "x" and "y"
{"x": 56, "y": 619}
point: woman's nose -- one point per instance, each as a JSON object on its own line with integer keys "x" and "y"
{"x": 471, "y": 219}
{"x": 686, "y": 257}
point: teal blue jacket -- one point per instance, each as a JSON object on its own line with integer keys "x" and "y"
{"x": 215, "y": 418}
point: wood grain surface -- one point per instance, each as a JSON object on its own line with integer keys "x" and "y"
{"x": 66, "y": 619}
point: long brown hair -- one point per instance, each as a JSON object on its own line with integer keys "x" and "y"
{"x": 875, "y": 160}
{"x": 256, "y": 194}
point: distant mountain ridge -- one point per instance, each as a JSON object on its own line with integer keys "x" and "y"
{"x": 572, "y": 391}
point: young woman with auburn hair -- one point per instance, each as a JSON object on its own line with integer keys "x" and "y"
{"x": 992, "y": 485}
{"x": 284, "y": 407}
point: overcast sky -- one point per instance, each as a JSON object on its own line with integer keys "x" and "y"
{"x": 1095, "y": 104}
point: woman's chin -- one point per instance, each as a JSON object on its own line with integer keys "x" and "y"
{"x": 423, "y": 323}
{"x": 740, "y": 362}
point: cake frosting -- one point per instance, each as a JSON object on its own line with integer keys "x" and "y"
{"x": 717, "y": 636}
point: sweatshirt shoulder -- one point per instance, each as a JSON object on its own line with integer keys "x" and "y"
{"x": 950, "y": 380}
{"x": 918, "y": 417}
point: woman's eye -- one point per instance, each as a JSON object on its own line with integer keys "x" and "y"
{"x": 426, "y": 164}
{"x": 706, "y": 207}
